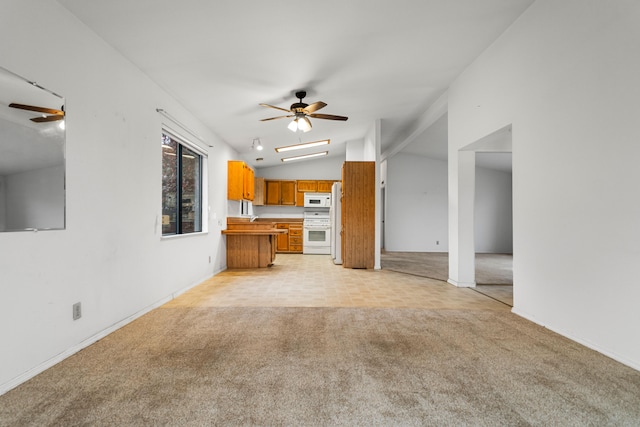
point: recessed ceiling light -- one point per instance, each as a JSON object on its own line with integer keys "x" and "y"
{"x": 301, "y": 146}
{"x": 304, "y": 156}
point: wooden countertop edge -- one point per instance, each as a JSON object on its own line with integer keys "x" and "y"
{"x": 256, "y": 232}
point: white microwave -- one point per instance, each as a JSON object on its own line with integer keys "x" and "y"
{"x": 317, "y": 200}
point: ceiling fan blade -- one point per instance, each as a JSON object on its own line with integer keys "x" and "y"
{"x": 314, "y": 107}
{"x": 53, "y": 118}
{"x": 328, "y": 117}
{"x": 277, "y": 108}
{"x": 279, "y": 117}
{"x": 37, "y": 109}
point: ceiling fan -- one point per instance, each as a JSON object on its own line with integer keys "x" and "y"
{"x": 302, "y": 112}
{"x": 53, "y": 115}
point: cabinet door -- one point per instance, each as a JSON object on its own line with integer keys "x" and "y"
{"x": 325, "y": 186}
{"x": 258, "y": 192}
{"x": 248, "y": 182}
{"x": 283, "y": 238}
{"x": 272, "y": 189}
{"x": 234, "y": 179}
{"x": 288, "y": 193}
{"x": 307, "y": 186}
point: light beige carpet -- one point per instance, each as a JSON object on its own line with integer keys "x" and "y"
{"x": 194, "y": 366}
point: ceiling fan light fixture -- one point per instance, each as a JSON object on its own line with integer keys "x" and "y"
{"x": 304, "y": 124}
{"x": 293, "y": 126}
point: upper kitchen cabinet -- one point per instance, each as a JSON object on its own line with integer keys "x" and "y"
{"x": 307, "y": 186}
{"x": 280, "y": 192}
{"x": 325, "y": 186}
{"x": 240, "y": 181}
{"x": 258, "y": 196}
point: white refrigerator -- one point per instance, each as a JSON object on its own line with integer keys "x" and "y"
{"x": 335, "y": 212}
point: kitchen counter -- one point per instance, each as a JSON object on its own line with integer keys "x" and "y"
{"x": 250, "y": 244}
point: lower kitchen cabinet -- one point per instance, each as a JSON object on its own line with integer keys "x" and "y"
{"x": 295, "y": 237}
{"x": 292, "y": 241}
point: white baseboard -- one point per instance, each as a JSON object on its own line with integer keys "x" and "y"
{"x": 462, "y": 284}
{"x": 15, "y": 382}
{"x": 630, "y": 363}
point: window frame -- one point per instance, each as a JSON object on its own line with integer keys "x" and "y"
{"x": 182, "y": 143}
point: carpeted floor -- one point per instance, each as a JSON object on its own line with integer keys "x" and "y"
{"x": 195, "y": 366}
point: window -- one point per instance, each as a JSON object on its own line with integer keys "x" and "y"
{"x": 181, "y": 187}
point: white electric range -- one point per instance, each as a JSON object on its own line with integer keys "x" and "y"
{"x": 316, "y": 227}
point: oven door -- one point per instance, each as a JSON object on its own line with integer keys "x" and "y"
{"x": 316, "y": 240}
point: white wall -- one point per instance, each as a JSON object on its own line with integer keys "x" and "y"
{"x": 493, "y": 219}
{"x": 565, "y": 76}
{"x": 2, "y": 204}
{"x": 324, "y": 168}
{"x": 35, "y": 199}
{"x": 111, "y": 257}
{"x": 416, "y": 211}
{"x": 417, "y": 207}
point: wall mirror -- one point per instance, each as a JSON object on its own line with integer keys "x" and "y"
{"x": 32, "y": 157}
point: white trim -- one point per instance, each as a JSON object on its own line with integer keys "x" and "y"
{"x": 177, "y": 122}
{"x": 462, "y": 284}
{"x": 178, "y": 236}
{"x": 20, "y": 379}
{"x": 185, "y": 141}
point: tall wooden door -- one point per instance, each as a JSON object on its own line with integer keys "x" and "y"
{"x": 358, "y": 214}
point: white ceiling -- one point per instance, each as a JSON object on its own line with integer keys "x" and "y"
{"x": 367, "y": 59}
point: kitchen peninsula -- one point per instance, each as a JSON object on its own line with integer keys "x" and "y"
{"x": 251, "y": 244}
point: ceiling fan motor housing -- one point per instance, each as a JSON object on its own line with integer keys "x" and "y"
{"x": 298, "y": 107}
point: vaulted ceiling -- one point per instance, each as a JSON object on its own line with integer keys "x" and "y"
{"x": 367, "y": 59}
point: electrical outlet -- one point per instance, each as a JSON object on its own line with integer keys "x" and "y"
{"x": 77, "y": 311}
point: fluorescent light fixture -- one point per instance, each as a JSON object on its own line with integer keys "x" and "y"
{"x": 304, "y": 156}
{"x": 303, "y": 145}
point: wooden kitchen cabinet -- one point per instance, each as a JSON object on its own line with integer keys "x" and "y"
{"x": 307, "y": 186}
{"x": 295, "y": 237}
{"x": 292, "y": 241}
{"x": 240, "y": 181}
{"x": 283, "y": 239}
{"x": 324, "y": 186}
{"x": 259, "y": 192}
{"x": 358, "y": 214}
{"x": 280, "y": 192}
